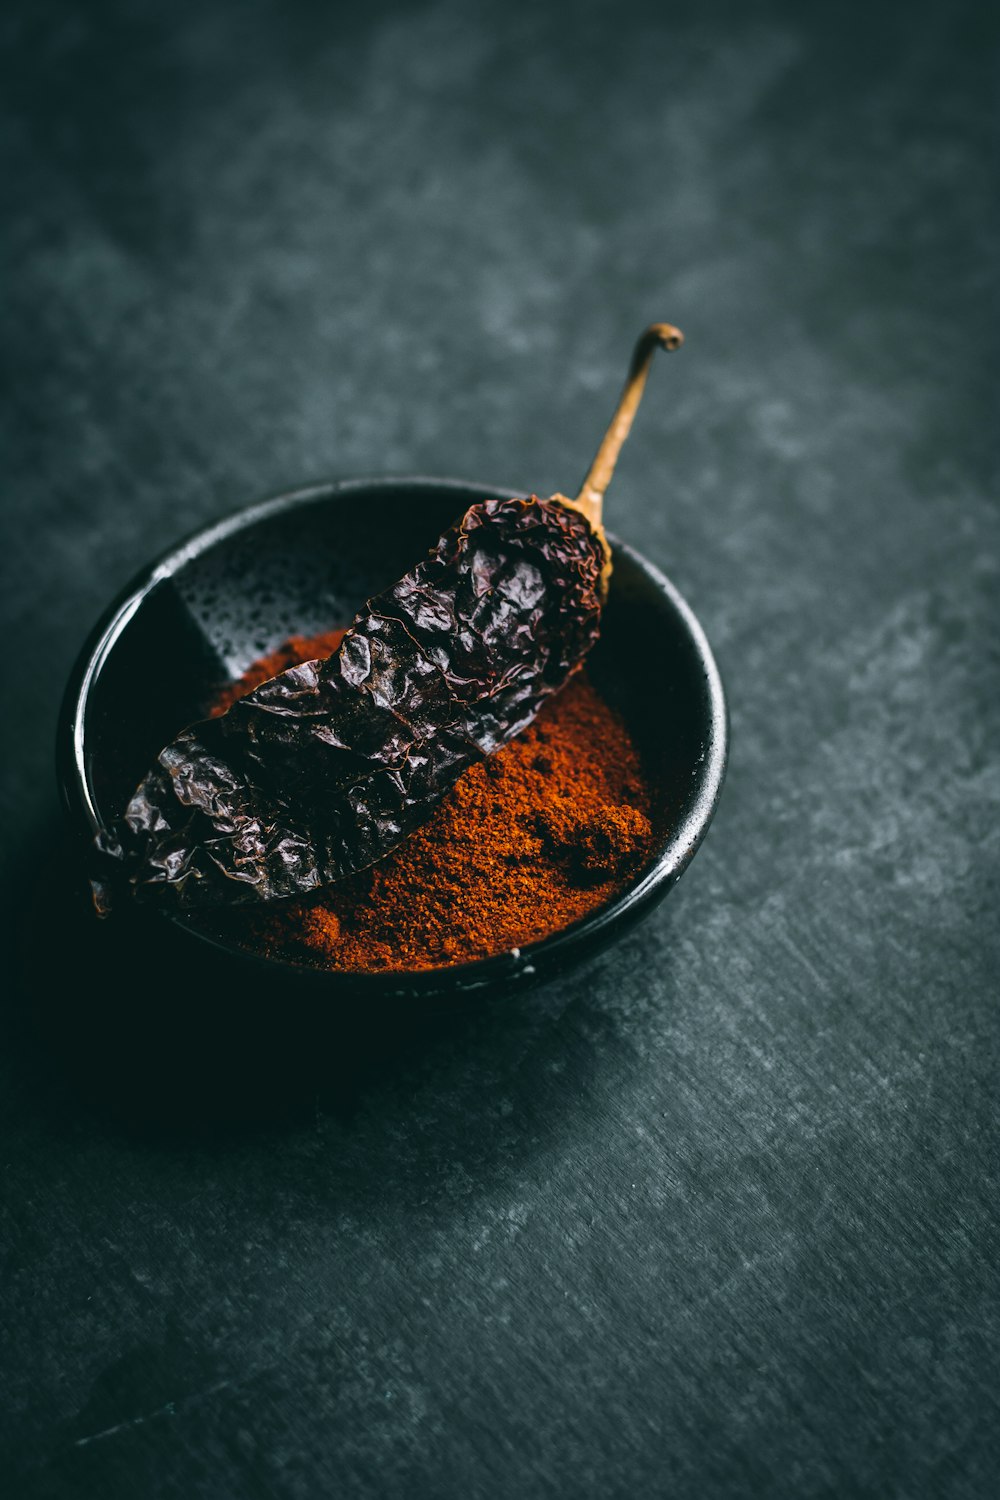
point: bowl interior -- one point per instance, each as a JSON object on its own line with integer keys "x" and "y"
{"x": 305, "y": 563}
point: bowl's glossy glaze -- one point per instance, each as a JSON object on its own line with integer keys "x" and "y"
{"x": 303, "y": 563}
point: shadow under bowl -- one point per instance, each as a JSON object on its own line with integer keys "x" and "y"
{"x": 304, "y": 563}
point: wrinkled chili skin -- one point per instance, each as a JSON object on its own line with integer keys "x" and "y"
{"x": 322, "y": 770}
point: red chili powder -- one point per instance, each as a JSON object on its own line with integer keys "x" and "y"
{"x": 530, "y": 840}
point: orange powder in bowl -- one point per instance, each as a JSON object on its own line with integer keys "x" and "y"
{"x": 542, "y": 832}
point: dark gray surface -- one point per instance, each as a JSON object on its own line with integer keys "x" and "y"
{"x": 718, "y": 1218}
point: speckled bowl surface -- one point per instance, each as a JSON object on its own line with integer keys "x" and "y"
{"x": 303, "y": 563}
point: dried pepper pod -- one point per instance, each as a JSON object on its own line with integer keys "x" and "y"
{"x": 322, "y": 770}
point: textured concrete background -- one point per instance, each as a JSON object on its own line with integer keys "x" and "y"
{"x": 718, "y": 1218}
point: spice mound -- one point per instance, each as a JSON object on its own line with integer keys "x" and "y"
{"x": 525, "y": 843}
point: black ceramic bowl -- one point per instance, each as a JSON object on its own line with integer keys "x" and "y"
{"x": 303, "y": 563}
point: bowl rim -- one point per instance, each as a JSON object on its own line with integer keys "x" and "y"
{"x": 591, "y": 930}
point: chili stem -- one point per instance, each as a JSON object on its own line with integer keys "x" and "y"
{"x": 591, "y": 497}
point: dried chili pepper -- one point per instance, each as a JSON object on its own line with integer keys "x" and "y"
{"x": 325, "y": 768}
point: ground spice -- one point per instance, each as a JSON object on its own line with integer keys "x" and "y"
{"x": 529, "y": 841}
